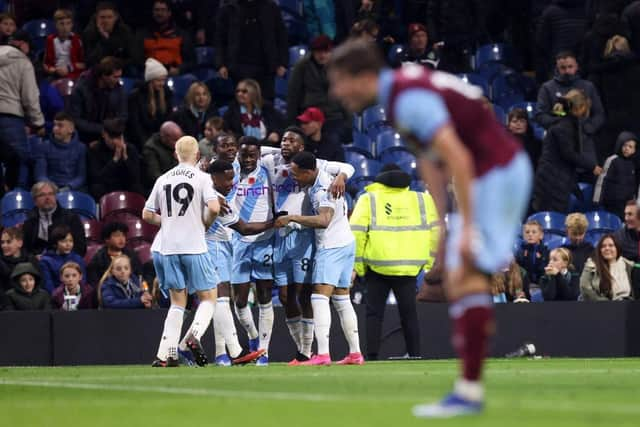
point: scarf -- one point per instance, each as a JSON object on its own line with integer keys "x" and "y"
{"x": 252, "y": 123}
{"x": 620, "y": 286}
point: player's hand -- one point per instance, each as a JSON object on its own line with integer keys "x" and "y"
{"x": 225, "y": 209}
{"x": 338, "y": 187}
{"x": 282, "y": 221}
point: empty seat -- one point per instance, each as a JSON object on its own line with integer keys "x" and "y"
{"x": 143, "y": 250}
{"x": 39, "y": 29}
{"x": 121, "y": 202}
{"x": 354, "y": 157}
{"x": 92, "y": 248}
{"x": 395, "y": 54}
{"x": 128, "y": 84}
{"x": 16, "y": 201}
{"x": 554, "y": 241}
{"x": 389, "y": 140}
{"x": 404, "y": 159}
{"x": 366, "y": 169}
{"x": 140, "y": 230}
{"x": 585, "y": 203}
{"x": 374, "y": 117}
{"x": 363, "y": 144}
{"x": 603, "y": 221}
{"x": 92, "y": 230}
{"x": 13, "y": 219}
{"x": 78, "y": 202}
{"x": 476, "y": 79}
{"x": 552, "y": 222}
{"x": 594, "y": 236}
{"x": 281, "y": 87}
{"x": 180, "y": 86}
{"x": 496, "y": 52}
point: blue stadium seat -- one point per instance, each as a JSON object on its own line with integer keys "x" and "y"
{"x": 374, "y": 117}
{"x": 594, "y": 236}
{"x": 180, "y": 86}
{"x": 362, "y": 143}
{"x": 296, "y": 53}
{"x": 418, "y": 185}
{"x": 366, "y": 169}
{"x": 389, "y": 140}
{"x": 395, "y": 52}
{"x": 222, "y": 110}
{"x": 16, "y": 200}
{"x": 477, "y": 80}
{"x": 360, "y": 185}
{"x": 39, "y": 29}
{"x": 205, "y": 56}
{"x": 128, "y": 84}
{"x": 14, "y": 218}
{"x": 584, "y": 205}
{"x": 491, "y": 69}
{"x": 282, "y": 85}
{"x": 497, "y": 52}
{"x": 506, "y": 90}
{"x": 603, "y": 221}
{"x": 354, "y": 157}
{"x": 349, "y": 201}
{"x": 357, "y": 122}
{"x": 553, "y": 241}
{"x": 402, "y": 158}
{"x": 280, "y": 105}
{"x": 552, "y": 222}
{"x": 205, "y": 73}
{"x": 63, "y": 86}
{"x": 78, "y": 202}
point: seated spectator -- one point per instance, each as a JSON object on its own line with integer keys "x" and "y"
{"x": 158, "y": 151}
{"x": 72, "y": 294}
{"x": 7, "y": 27}
{"x": 560, "y": 282}
{"x": 164, "y": 41}
{"x": 60, "y": 252}
{"x": 149, "y": 104}
{"x": 119, "y": 289}
{"x": 47, "y": 214}
{"x": 576, "y": 225}
{"x": 510, "y": 285}
{"x": 212, "y": 128}
{"x": 63, "y": 53}
{"x": 311, "y": 122}
{"x": 107, "y": 36}
{"x": 418, "y": 51}
{"x": 250, "y": 115}
{"x": 617, "y": 183}
{"x": 114, "y": 236}
{"x": 197, "y": 109}
{"x": 12, "y": 255}
{"x": 27, "y": 293}
{"x": 533, "y": 254}
{"x": 114, "y": 164}
{"x": 96, "y": 97}
{"x": 607, "y": 275}
{"x": 518, "y": 125}
{"x": 628, "y": 237}
{"x": 63, "y": 158}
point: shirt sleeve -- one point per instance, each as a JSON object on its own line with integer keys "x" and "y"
{"x": 229, "y": 219}
{"x": 325, "y": 200}
{"x": 153, "y": 202}
{"x": 336, "y": 168}
{"x": 420, "y": 112}
{"x": 208, "y": 193}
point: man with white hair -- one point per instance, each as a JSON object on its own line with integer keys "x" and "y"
{"x": 180, "y": 256}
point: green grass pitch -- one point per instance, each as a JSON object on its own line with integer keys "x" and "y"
{"x": 548, "y": 392}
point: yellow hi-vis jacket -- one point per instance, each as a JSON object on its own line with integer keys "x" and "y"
{"x": 396, "y": 231}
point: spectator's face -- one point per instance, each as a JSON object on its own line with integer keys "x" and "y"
{"x": 321, "y": 56}
{"x": 201, "y": 99}
{"x": 210, "y": 132}
{"x": 170, "y": 137}
{"x": 249, "y": 155}
{"x": 117, "y": 241}
{"x": 608, "y": 250}
{"x": 106, "y": 20}
{"x": 70, "y": 278}
{"x": 63, "y": 130}
{"x": 27, "y": 282}
{"x": 112, "y": 81}
{"x": 631, "y": 217}
{"x": 158, "y": 84}
{"x": 567, "y": 66}
{"x": 65, "y": 245}
{"x": 121, "y": 270}
{"x": 532, "y": 234}
{"x": 223, "y": 182}
{"x": 419, "y": 41}
{"x": 64, "y": 27}
{"x": 7, "y": 27}
{"x": 556, "y": 261}
{"x": 355, "y": 92}
{"x": 301, "y": 176}
{"x": 518, "y": 126}
{"x": 242, "y": 94}
{"x": 45, "y": 199}
{"x": 575, "y": 237}
{"x": 227, "y": 149}
{"x": 161, "y": 13}
{"x": 629, "y": 148}
{"x": 290, "y": 145}
{"x": 10, "y": 247}
{"x": 113, "y": 141}
{"x": 311, "y": 128}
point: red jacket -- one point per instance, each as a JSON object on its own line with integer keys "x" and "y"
{"x": 77, "y": 54}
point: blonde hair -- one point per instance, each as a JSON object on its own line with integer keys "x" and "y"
{"x": 254, "y": 91}
{"x": 191, "y": 93}
{"x": 616, "y": 44}
{"x": 159, "y": 106}
{"x": 187, "y": 149}
{"x": 509, "y": 282}
{"x": 577, "y": 222}
{"x": 61, "y": 14}
{"x": 565, "y": 255}
{"x": 533, "y": 222}
{"x": 571, "y": 102}
{"x": 108, "y": 273}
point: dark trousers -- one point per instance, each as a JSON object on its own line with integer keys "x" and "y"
{"x": 404, "y": 288}
{"x": 15, "y": 151}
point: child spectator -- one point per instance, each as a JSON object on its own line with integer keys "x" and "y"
{"x": 617, "y": 183}
{"x": 560, "y": 281}
{"x": 114, "y": 236}
{"x": 577, "y": 225}
{"x": 7, "y": 27}
{"x": 213, "y": 127}
{"x": 519, "y": 126}
{"x": 510, "y": 285}
{"x": 121, "y": 290}
{"x": 60, "y": 252}
{"x": 63, "y": 53}
{"x": 72, "y": 294}
{"x": 27, "y": 293}
{"x": 533, "y": 255}
{"x": 62, "y": 159}
{"x": 12, "y": 254}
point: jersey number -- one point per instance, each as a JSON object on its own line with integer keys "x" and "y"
{"x": 175, "y": 195}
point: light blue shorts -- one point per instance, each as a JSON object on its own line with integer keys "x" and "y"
{"x": 252, "y": 261}
{"x": 293, "y": 257}
{"x": 500, "y": 200}
{"x": 221, "y": 255}
{"x": 334, "y": 266}
{"x": 192, "y": 272}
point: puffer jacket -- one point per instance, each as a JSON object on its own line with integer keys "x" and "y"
{"x": 118, "y": 296}
{"x": 18, "y": 299}
{"x": 19, "y": 93}
{"x": 617, "y": 183}
{"x": 65, "y": 164}
{"x": 50, "y": 264}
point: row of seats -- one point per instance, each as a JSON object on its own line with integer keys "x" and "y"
{"x": 599, "y": 221}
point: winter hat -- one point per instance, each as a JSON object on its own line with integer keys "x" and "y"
{"x": 153, "y": 69}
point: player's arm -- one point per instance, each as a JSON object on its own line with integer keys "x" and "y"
{"x": 211, "y": 213}
{"x": 151, "y": 217}
{"x": 342, "y": 172}
{"x": 247, "y": 228}
{"x": 266, "y": 150}
{"x": 152, "y": 207}
{"x": 322, "y": 220}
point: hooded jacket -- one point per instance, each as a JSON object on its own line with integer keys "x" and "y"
{"x": 617, "y": 183}
{"x": 18, "y": 299}
{"x": 65, "y": 164}
{"x": 19, "y": 93}
{"x": 50, "y": 264}
{"x": 7, "y": 265}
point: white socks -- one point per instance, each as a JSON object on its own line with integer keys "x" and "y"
{"x": 246, "y": 320}
{"x": 225, "y": 329}
{"x": 322, "y": 321}
{"x": 307, "y": 337}
{"x": 201, "y": 321}
{"x": 171, "y": 333}
{"x": 265, "y": 325}
{"x": 295, "y": 330}
{"x": 470, "y": 390}
{"x": 348, "y": 320}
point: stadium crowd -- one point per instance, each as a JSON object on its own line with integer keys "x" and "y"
{"x": 92, "y": 104}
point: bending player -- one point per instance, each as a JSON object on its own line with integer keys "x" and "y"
{"x": 447, "y": 122}
{"x": 177, "y": 202}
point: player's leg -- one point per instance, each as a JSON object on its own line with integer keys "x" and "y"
{"x": 303, "y": 273}
{"x": 262, "y": 272}
{"x": 240, "y": 278}
{"x": 307, "y": 319}
{"x": 287, "y": 291}
{"x": 322, "y": 323}
{"x": 224, "y": 327}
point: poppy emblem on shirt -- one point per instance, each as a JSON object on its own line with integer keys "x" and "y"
{"x": 252, "y": 180}
{"x": 285, "y": 173}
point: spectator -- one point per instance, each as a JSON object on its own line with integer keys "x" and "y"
{"x": 72, "y": 294}
{"x": 617, "y": 183}
{"x": 114, "y": 164}
{"x": 320, "y": 17}
{"x": 518, "y": 124}
{"x": 7, "y": 27}
{"x": 556, "y": 175}
{"x": 107, "y": 36}
{"x": 158, "y": 151}
{"x": 114, "y": 236}
{"x": 631, "y": 18}
{"x": 197, "y": 109}
{"x": 607, "y": 275}
{"x": 46, "y": 215}
{"x": 366, "y": 29}
{"x": 311, "y": 122}
{"x": 418, "y": 51}
{"x": 63, "y": 53}
{"x": 121, "y": 290}
{"x": 63, "y": 158}
{"x": 576, "y": 227}
{"x": 560, "y": 282}
{"x": 308, "y": 87}
{"x": 96, "y": 97}
{"x": 60, "y": 252}
{"x": 510, "y": 285}
{"x": 19, "y": 107}
{"x": 27, "y": 293}
{"x": 250, "y": 115}
{"x": 628, "y": 237}
{"x": 149, "y": 104}
{"x": 533, "y": 254}
{"x": 164, "y": 41}
{"x": 251, "y": 43}
{"x": 566, "y": 79}
{"x": 607, "y": 24}
{"x": 212, "y": 128}
{"x": 12, "y": 254}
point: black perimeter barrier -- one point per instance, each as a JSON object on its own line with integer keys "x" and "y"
{"x": 110, "y": 337}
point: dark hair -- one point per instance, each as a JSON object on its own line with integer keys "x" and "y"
{"x": 631, "y": 203}
{"x": 364, "y": 26}
{"x": 224, "y": 135}
{"x": 59, "y": 232}
{"x": 355, "y": 57}
{"x": 298, "y": 131}
{"x": 566, "y": 54}
{"x": 219, "y": 166}
{"x": 216, "y": 122}
{"x": 249, "y": 140}
{"x": 305, "y": 160}
{"x": 113, "y": 127}
{"x": 63, "y": 117}
{"x": 14, "y": 233}
{"x": 106, "y": 5}
{"x": 602, "y": 266}
{"x": 107, "y": 66}
{"x": 518, "y": 113}
{"x": 112, "y": 227}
